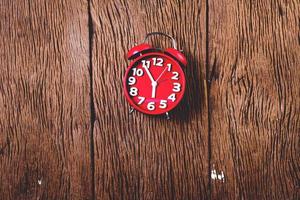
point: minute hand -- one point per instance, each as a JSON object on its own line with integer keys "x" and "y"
{"x": 149, "y": 74}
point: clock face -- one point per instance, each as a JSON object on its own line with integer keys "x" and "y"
{"x": 154, "y": 83}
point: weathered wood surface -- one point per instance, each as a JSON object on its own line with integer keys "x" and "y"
{"x": 44, "y": 100}
{"x": 254, "y": 55}
{"x": 137, "y": 156}
{"x": 65, "y": 129}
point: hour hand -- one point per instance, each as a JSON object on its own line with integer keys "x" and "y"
{"x": 154, "y": 84}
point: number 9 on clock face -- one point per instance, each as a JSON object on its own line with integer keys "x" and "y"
{"x": 154, "y": 83}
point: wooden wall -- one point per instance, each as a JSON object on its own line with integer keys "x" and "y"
{"x": 65, "y": 129}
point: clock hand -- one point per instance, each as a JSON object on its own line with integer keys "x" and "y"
{"x": 149, "y": 74}
{"x": 161, "y": 74}
{"x": 154, "y": 84}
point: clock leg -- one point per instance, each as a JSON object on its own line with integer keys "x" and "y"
{"x": 168, "y": 116}
{"x": 131, "y": 109}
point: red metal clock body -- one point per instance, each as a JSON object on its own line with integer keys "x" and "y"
{"x": 154, "y": 82}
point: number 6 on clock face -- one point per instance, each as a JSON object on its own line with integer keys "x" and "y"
{"x": 154, "y": 83}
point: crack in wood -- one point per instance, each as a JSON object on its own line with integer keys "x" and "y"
{"x": 92, "y": 104}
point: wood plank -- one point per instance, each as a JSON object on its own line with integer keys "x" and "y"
{"x": 138, "y": 156}
{"x": 254, "y": 52}
{"x": 44, "y": 100}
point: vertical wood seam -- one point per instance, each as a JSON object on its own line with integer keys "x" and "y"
{"x": 92, "y": 104}
{"x": 208, "y": 82}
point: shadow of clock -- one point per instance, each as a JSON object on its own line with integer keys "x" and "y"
{"x": 192, "y": 105}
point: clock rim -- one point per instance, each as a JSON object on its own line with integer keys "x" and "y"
{"x": 128, "y": 98}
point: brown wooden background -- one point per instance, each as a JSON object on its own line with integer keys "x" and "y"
{"x": 65, "y": 130}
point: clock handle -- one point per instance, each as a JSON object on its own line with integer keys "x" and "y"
{"x": 163, "y": 34}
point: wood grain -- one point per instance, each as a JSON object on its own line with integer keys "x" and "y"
{"x": 137, "y": 156}
{"x": 65, "y": 127}
{"x": 44, "y": 100}
{"x": 254, "y": 52}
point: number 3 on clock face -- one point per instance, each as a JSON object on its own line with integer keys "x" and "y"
{"x": 154, "y": 83}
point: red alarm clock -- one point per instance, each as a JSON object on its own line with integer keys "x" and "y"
{"x": 154, "y": 82}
